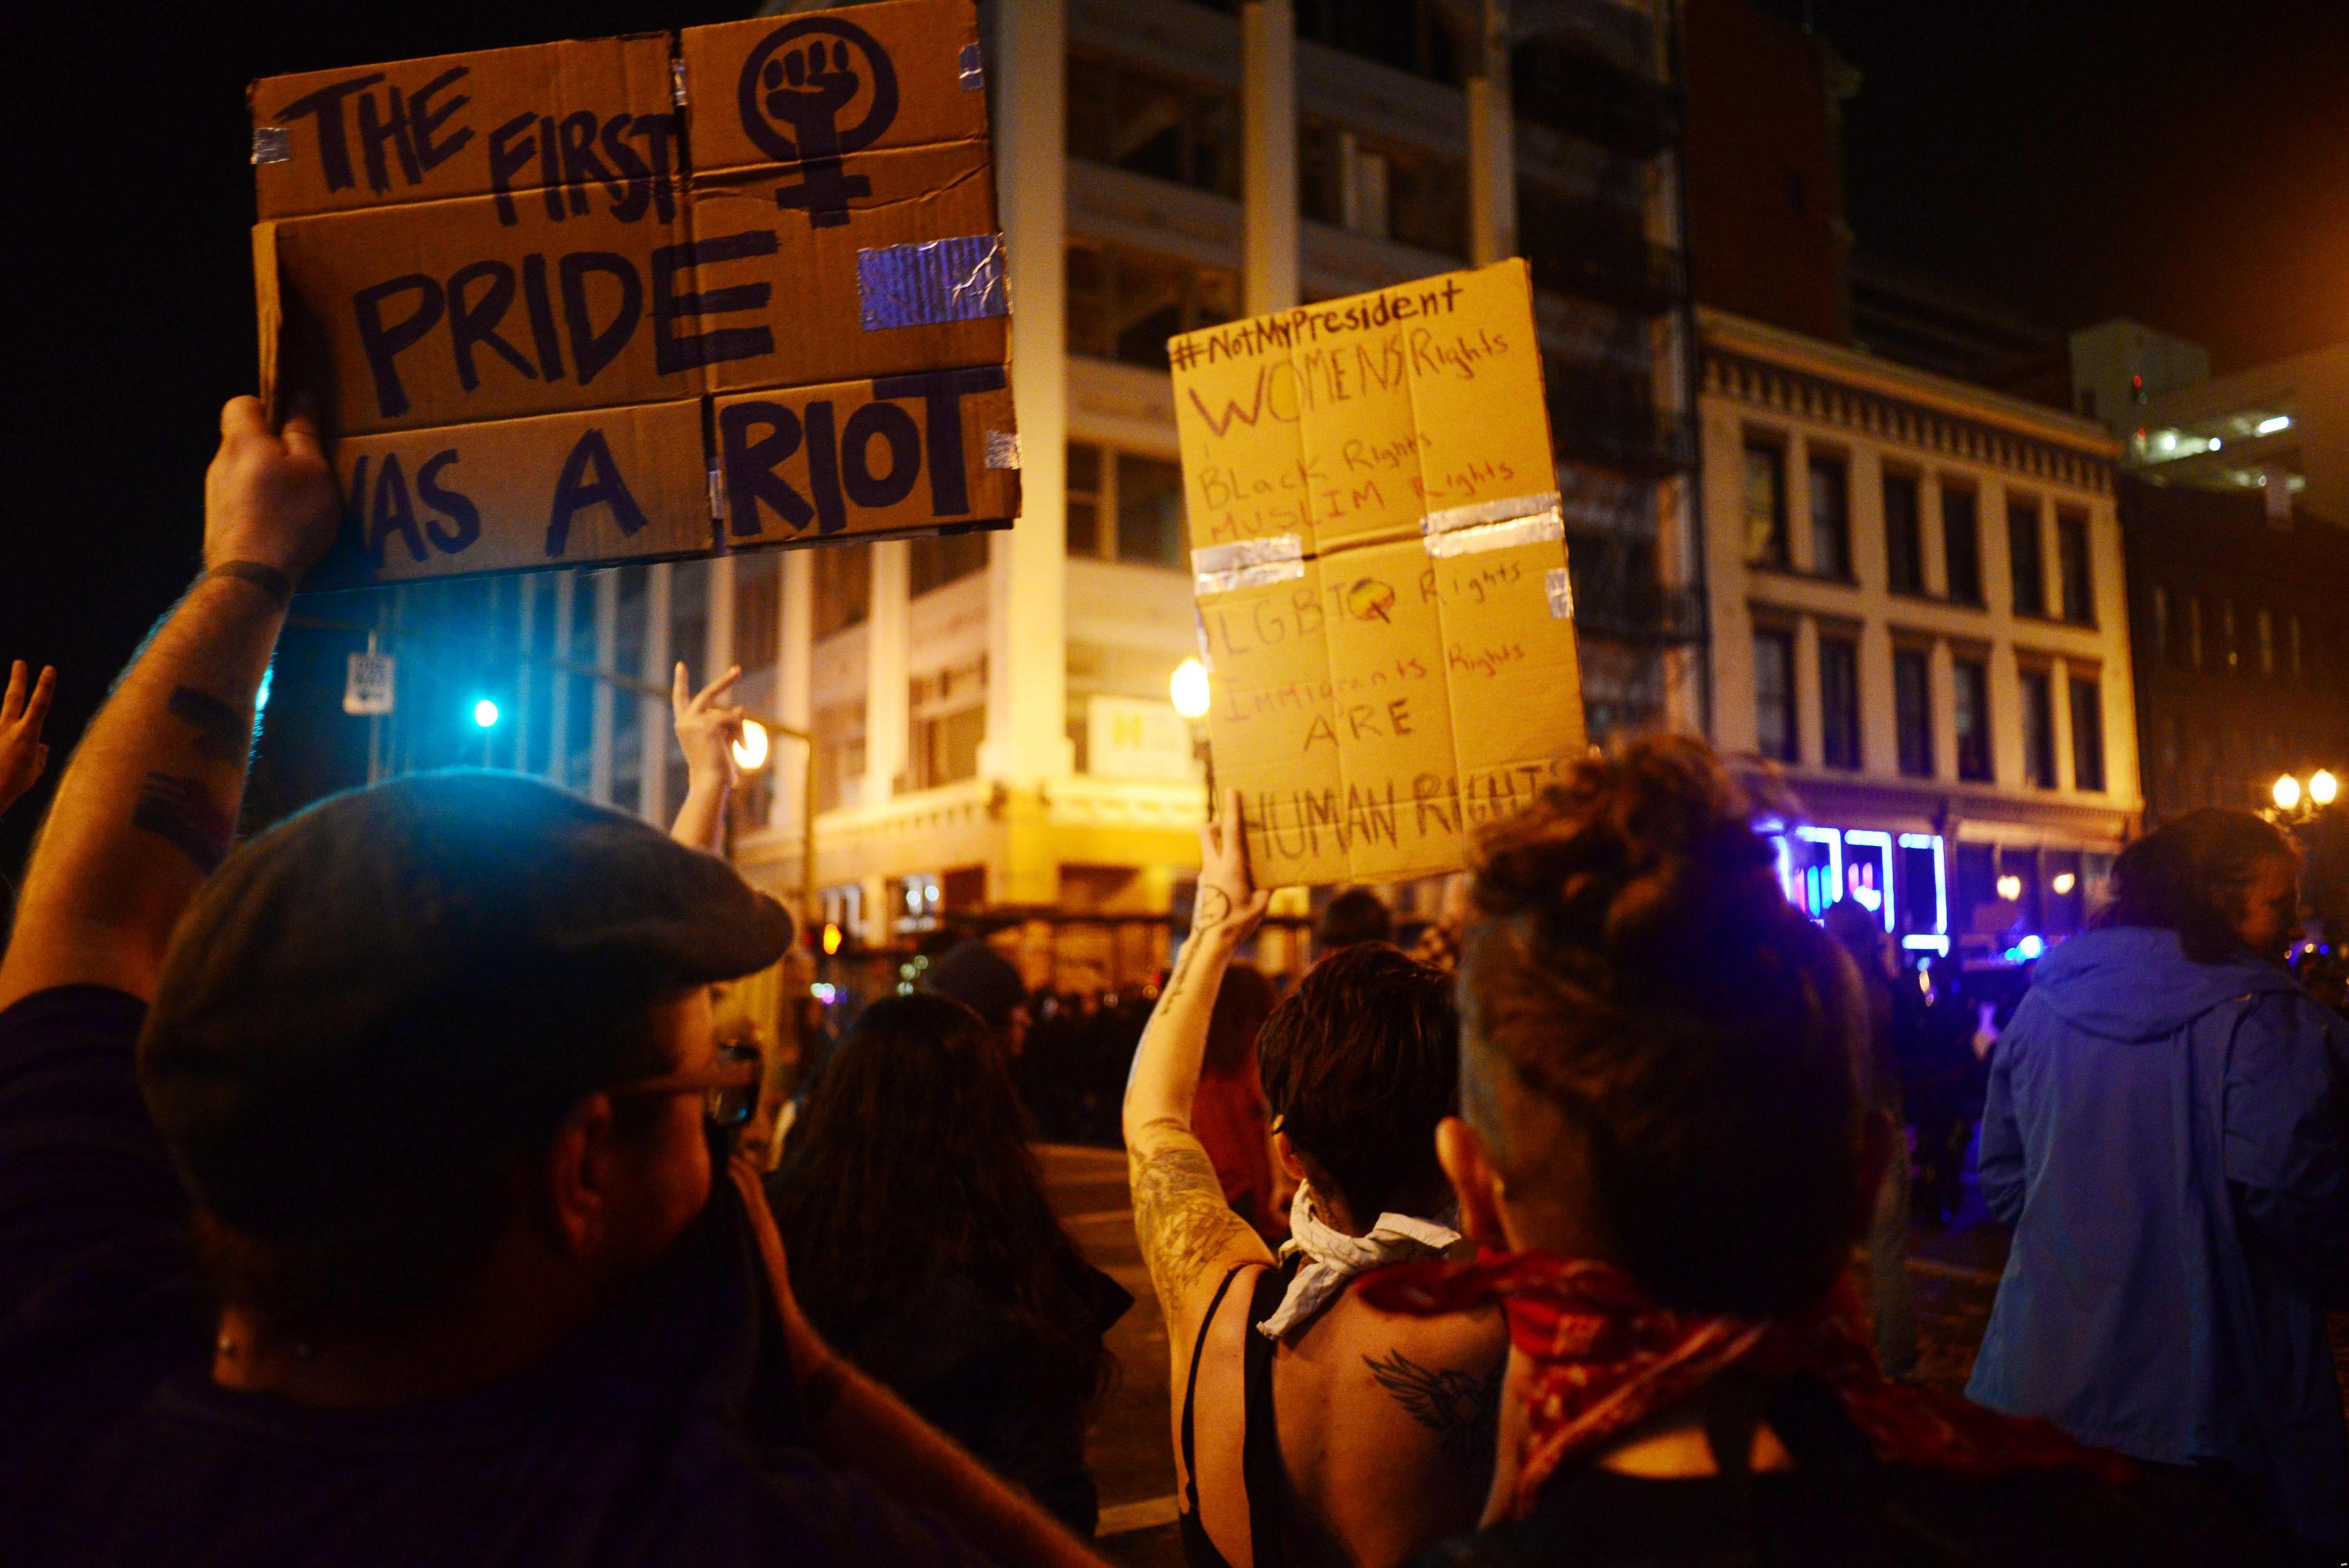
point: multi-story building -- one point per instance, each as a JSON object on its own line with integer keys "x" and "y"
{"x": 1919, "y": 614}
{"x": 993, "y": 735}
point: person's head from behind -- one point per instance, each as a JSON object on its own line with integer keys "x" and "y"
{"x": 2223, "y": 880}
{"x": 973, "y": 974}
{"x": 445, "y": 1032}
{"x": 1660, "y": 1057}
{"x": 911, "y": 1161}
{"x": 1356, "y": 915}
{"x": 1360, "y": 1062}
{"x": 1243, "y": 1002}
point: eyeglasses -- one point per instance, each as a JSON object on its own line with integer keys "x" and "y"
{"x": 728, "y": 1090}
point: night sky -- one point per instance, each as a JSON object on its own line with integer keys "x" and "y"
{"x": 2185, "y": 164}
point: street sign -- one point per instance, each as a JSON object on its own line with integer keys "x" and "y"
{"x": 368, "y": 688}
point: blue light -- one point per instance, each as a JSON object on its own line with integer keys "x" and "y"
{"x": 2030, "y": 947}
{"x": 486, "y": 713}
{"x": 261, "y": 698}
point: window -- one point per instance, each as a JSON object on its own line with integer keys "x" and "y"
{"x": 1839, "y": 701}
{"x": 1145, "y": 123}
{"x": 758, "y": 608}
{"x": 1125, "y": 304}
{"x": 1962, "y": 545}
{"x": 1407, "y": 34}
{"x": 1831, "y": 518}
{"x": 1766, "y": 504}
{"x": 1912, "y": 710}
{"x": 1149, "y": 511}
{"x": 843, "y": 586}
{"x": 2157, "y": 623}
{"x": 1773, "y": 696}
{"x": 2030, "y": 565}
{"x": 1904, "y": 540}
{"x": 2038, "y": 729}
{"x": 1084, "y": 500}
{"x": 1355, "y": 182}
{"x": 2230, "y": 656}
{"x": 1969, "y": 700}
{"x": 933, "y": 563}
{"x": 2192, "y": 641}
{"x": 2079, "y": 574}
{"x": 2263, "y": 631}
{"x": 946, "y": 715}
{"x": 2292, "y": 656}
{"x": 2088, "y": 733}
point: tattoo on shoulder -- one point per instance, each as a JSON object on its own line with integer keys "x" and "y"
{"x": 1463, "y": 1410}
{"x": 1180, "y": 1216}
{"x": 183, "y": 814}
{"x": 222, "y": 735}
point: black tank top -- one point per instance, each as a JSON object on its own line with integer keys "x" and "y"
{"x": 1260, "y": 1475}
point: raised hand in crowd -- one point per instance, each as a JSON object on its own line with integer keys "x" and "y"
{"x": 148, "y": 806}
{"x": 707, "y": 728}
{"x": 24, "y": 707}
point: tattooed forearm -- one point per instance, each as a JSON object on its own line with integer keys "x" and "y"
{"x": 1463, "y": 1410}
{"x": 1213, "y": 909}
{"x": 222, "y": 735}
{"x": 1180, "y": 1216}
{"x": 184, "y": 815}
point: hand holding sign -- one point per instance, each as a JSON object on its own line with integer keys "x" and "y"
{"x": 1228, "y": 903}
{"x": 269, "y": 496}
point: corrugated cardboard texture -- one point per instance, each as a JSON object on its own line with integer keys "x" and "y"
{"x": 1380, "y": 572}
{"x": 575, "y": 114}
{"x": 561, "y": 490}
{"x": 470, "y": 249}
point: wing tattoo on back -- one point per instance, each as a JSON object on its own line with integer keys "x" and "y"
{"x": 1461, "y": 1409}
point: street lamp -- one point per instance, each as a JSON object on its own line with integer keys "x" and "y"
{"x": 2286, "y": 792}
{"x": 1189, "y": 690}
{"x": 2323, "y": 786}
{"x": 750, "y": 746}
{"x": 2063, "y": 883}
{"x": 485, "y": 714}
{"x": 2010, "y": 887}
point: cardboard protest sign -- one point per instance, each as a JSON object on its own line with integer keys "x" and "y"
{"x": 1379, "y": 562}
{"x": 644, "y": 297}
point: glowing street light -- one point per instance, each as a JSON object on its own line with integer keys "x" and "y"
{"x": 2063, "y": 883}
{"x": 2323, "y": 786}
{"x": 2010, "y": 887}
{"x": 2286, "y": 792}
{"x": 486, "y": 713}
{"x": 1189, "y": 690}
{"x": 750, "y": 746}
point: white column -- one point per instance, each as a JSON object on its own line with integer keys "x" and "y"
{"x": 1269, "y": 150}
{"x": 794, "y": 686}
{"x": 1492, "y": 143}
{"x": 653, "y": 721}
{"x": 718, "y": 643}
{"x": 1027, "y": 666}
{"x": 886, "y": 661}
{"x": 558, "y": 705}
{"x": 608, "y": 646}
{"x": 524, "y": 634}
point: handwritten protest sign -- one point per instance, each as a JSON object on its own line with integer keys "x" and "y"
{"x": 1380, "y": 562}
{"x": 646, "y": 296}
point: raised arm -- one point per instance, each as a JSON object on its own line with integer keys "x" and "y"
{"x": 148, "y": 806}
{"x": 1189, "y": 1235}
{"x": 707, "y": 728}
{"x": 24, "y": 707}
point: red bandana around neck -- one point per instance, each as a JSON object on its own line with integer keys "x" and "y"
{"x": 1605, "y": 1358}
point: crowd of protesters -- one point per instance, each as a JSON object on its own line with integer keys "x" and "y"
{"x": 375, "y": 1192}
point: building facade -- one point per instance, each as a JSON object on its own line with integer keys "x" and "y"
{"x": 1919, "y": 617}
{"x": 993, "y": 738}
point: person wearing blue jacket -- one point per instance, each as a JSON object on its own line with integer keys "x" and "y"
{"x": 2163, "y": 1135}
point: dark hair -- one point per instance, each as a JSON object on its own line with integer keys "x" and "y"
{"x": 1356, "y": 915}
{"x": 2191, "y": 875}
{"x": 1360, "y": 1062}
{"x": 911, "y": 1159}
{"x": 1243, "y": 1002}
{"x": 1646, "y": 975}
{"x": 393, "y": 1253}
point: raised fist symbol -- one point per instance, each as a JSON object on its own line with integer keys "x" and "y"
{"x": 803, "y": 94}
{"x": 800, "y": 79}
